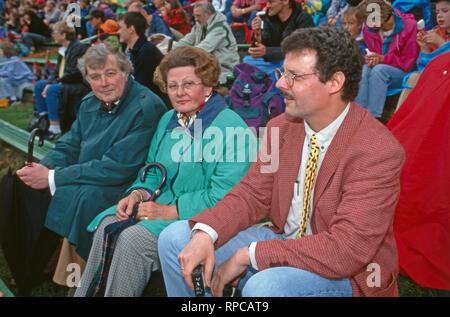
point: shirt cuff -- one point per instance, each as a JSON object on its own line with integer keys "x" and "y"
{"x": 251, "y": 252}
{"x": 51, "y": 181}
{"x": 201, "y": 226}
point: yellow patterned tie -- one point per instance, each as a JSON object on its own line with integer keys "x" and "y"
{"x": 310, "y": 176}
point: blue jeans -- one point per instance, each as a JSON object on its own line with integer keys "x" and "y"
{"x": 273, "y": 282}
{"x": 8, "y": 87}
{"x": 374, "y": 85}
{"x": 49, "y": 104}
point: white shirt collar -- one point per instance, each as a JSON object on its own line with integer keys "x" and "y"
{"x": 326, "y": 135}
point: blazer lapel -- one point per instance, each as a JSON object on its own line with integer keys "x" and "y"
{"x": 336, "y": 150}
{"x": 291, "y": 148}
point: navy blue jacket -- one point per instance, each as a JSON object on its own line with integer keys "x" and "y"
{"x": 145, "y": 57}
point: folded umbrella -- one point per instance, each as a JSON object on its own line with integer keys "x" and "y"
{"x": 111, "y": 234}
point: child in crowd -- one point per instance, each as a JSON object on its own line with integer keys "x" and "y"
{"x": 431, "y": 41}
{"x": 432, "y": 44}
{"x": 391, "y": 40}
{"x": 13, "y": 74}
{"x": 352, "y": 22}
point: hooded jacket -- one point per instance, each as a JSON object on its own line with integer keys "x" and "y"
{"x": 400, "y": 49}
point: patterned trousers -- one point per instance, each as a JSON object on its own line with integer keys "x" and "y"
{"x": 135, "y": 258}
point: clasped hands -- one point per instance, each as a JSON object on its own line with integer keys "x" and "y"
{"x": 373, "y": 59}
{"x": 147, "y": 210}
{"x": 200, "y": 250}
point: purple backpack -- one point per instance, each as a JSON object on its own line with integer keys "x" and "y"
{"x": 252, "y": 96}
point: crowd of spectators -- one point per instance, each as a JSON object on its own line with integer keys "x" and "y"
{"x": 389, "y": 44}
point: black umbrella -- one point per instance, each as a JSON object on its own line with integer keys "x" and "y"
{"x": 26, "y": 244}
{"x": 111, "y": 234}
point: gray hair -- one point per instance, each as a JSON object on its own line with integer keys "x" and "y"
{"x": 96, "y": 56}
{"x": 206, "y": 7}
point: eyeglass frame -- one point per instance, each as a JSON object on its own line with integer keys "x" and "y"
{"x": 174, "y": 90}
{"x": 279, "y": 73}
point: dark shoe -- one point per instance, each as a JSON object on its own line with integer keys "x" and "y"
{"x": 51, "y": 136}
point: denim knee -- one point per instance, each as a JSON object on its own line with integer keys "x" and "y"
{"x": 176, "y": 235}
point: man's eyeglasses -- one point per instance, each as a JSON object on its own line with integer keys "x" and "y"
{"x": 289, "y": 77}
{"x": 97, "y": 77}
{"x": 185, "y": 86}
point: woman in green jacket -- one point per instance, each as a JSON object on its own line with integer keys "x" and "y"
{"x": 205, "y": 147}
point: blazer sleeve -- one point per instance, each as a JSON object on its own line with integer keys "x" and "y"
{"x": 246, "y": 204}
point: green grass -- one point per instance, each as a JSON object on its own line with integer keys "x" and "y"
{"x": 19, "y": 115}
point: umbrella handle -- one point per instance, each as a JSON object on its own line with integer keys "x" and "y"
{"x": 31, "y": 143}
{"x": 163, "y": 170}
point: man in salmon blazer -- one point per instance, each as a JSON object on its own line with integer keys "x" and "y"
{"x": 327, "y": 176}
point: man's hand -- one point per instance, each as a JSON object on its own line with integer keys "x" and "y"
{"x": 257, "y": 51}
{"x": 200, "y": 250}
{"x": 151, "y": 210}
{"x": 230, "y": 271}
{"x": 34, "y": 176}
{"x": 256, "y": 24}
{"x": 44, "y": 91}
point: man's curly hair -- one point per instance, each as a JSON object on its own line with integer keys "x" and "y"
{"x": 336, "y": 51}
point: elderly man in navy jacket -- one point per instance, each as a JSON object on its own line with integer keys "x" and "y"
{"x": 144, "y": 55}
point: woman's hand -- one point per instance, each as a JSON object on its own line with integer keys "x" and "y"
{"x": 125, "y": 206}
{"x": 151, "y": 210}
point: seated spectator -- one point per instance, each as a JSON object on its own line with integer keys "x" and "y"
{"x": 393, "y": 52}
{"x": 330, "y": 198}
{"x": 352, "y": 22}
{"x": 335, "y": 11}
{"x": 189, "y": 75}
{"x": 14, "y": 73}
{"x": 47, "y": 92}
{"x": 155, "y": 22}
{"x": 37, "y": 32}
{"x": 93, "y": 164}
{"x": 96, "y": 19}
{"x": 212, "y": 33}
{"x": 52, "y": 13}
{"x": 244, "y": 11}
{"x": 281, "y": 19}
{"x": 432, "y": 44}
{"x": 176, "y": 19}
{"x": 111, "y": 28}
{"x": 431, "y": 41}
{"x": 144, "y": 56}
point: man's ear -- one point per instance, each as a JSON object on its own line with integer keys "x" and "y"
{"x": 336, "y": 82}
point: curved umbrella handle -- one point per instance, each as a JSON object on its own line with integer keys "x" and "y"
{"x": 31, "y": 143}
{"x": 163, "y": 170}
